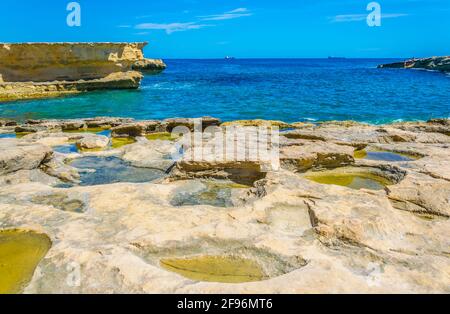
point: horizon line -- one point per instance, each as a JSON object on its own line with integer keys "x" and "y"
{"x": 278, "y": 58}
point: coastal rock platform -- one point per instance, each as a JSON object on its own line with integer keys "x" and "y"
{"x": 41, "y": 70}
{"x": 354, "y": 208}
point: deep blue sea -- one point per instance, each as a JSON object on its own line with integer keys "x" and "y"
{"x": 278, "y": 89}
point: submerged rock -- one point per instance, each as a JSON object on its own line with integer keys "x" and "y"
{"x": 106, "y": 170}
{"x": 213, "y": 193}
{"x": 62, "y": 201}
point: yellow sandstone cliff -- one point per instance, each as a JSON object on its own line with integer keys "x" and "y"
{"x": 39, "y": 70}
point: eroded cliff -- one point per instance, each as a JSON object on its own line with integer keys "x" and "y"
{"x": 37, "y": 70}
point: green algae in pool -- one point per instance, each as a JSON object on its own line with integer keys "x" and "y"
{"x": 20, "y": 253}
{"x": 105, "y": 170}
{"x": 163, "y": 136}
{"x": 360, "y": 154}
{"x": 224, "y": 269}
{"x": 382, "y": 156}
{"x": 101, "y": 131}
{"x": 118, "y": 142}
{"x": 353, "y": 180}
{"x": 22, "y": 134}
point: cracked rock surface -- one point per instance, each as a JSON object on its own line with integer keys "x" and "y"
{"x": 305, "y": 236}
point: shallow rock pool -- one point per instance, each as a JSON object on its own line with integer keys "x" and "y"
{"x": 224, "y": 269}
{"x": 353, "y": 180}
{"x": 20, "y": 253}
{"x": 204, "y": 192}
{"x": 383, "y": 156}
{"x": 107, "y": 170}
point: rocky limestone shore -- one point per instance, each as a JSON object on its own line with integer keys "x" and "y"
{"x": 40, "y": 70}
{"x": 150, "y": 65}
{"x": 433, "y": 64}
{"x": 354, "y": 208}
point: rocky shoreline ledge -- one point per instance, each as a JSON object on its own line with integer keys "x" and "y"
{"x": 354, "y": 208}
{"x": 42, "y": 70}
{"x": 441, "y": 64}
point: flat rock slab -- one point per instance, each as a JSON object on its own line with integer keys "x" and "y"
{"x": 93, "y": 141}
{"x": 16, "y": 155}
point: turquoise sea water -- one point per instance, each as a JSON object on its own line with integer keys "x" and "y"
{"x": 279, "y": 89}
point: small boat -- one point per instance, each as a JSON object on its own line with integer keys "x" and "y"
{"x": 229, "y": 58}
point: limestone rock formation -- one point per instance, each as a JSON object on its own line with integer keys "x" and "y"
{"x": 7, "y": 122}
{"x": 305, "y": 155}
{"x": 149, "y": 65}
{"x": 93, "y": 142}
{"x": 170, "y": 124}
{"x": 134, "y": 129}
{"x": 150, "y": 154}
{"x": 433, "y": 63}
{"x": 257, "y": 123}
{"x": 288, "y": 232}
{"x": 38, "y": 70}
{"x": 17, "y": 155}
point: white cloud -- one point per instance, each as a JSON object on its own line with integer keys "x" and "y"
{"x": 393, "y": 15}
{"x": 171, "y": 27}
{"x": 238, "y": 10}
{"x": 362, "y": 17}
{"x": 233, "y": 14}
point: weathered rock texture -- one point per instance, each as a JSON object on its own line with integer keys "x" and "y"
{"x": 306, "y": 236}
{"x": 434, "y": 64}
{"x": 149, "y": 65}
{"x": 36, "y": 70}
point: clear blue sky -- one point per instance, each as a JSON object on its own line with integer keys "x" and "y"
{"x": 240, "y": 28}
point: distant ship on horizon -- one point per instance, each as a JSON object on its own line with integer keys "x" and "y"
{"x": 229, "y": 58}
{"x": 336, "y": 58}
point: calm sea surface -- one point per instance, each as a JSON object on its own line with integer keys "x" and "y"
{"x": 278, "y": 89}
